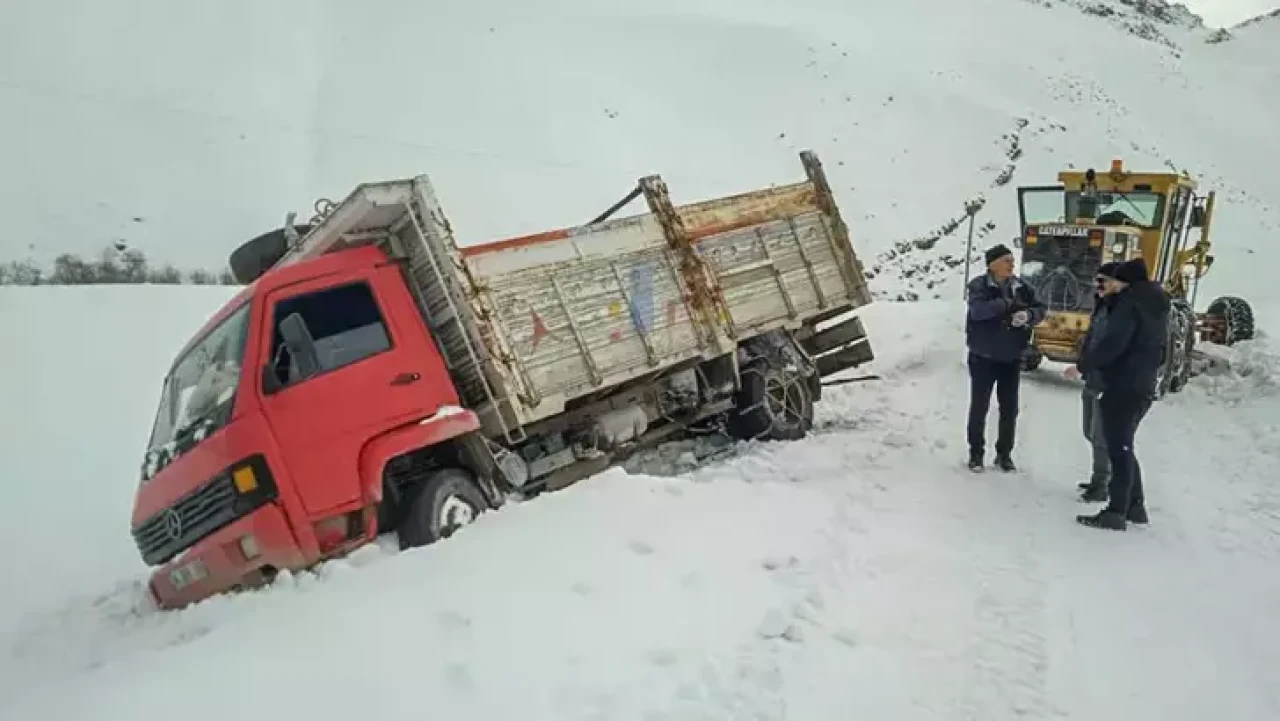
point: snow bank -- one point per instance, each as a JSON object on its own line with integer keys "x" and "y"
{"x": 82, "y": 375}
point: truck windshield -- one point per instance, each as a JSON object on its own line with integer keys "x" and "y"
{"x": 198, "y": 392}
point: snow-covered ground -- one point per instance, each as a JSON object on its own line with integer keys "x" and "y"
{"x": 857, "y": 573}
{"x": 860, "y": 572}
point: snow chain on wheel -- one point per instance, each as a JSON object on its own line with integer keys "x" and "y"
{"x": 1236, "y": 313}
{"x": 773, "y": 404}
{"x": 446, "y": 501}
{"x": 1182, "y": 339}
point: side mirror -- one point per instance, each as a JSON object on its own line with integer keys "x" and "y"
{"x": 302, "y": 347}
{"x": 1197, "y": 216}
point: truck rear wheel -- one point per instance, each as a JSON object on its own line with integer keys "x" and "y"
{"x": 447, "y": 500}
{"x": 773, "y": 404}
{"x": 255, "y": 257}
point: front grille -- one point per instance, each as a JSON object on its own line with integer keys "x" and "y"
{"x": 200, "y": 513}
{"x": 1062, "y": 269}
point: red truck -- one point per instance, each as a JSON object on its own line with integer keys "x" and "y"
{"x": 374, "y": 377}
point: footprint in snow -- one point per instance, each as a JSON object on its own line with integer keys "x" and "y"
{"x": 640, "y": 547}
{"x": 459, "y": 677}
{"x": 662, "y": 657}
{"x": 453, "y": 621}
{"x": 779, "y": 563}
{"x": 846, "y": 637}
{"x": 773, "y": 625}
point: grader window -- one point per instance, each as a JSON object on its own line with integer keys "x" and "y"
{"x": 1142, "y": 209}
{"x": 1042, "y": 206}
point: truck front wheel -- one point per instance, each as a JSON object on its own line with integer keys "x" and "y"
{"x": 447, "y": 500}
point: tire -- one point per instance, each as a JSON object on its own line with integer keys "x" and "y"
{"x": 446, "y": 501}
{"x": 1238, "y": 315}
{"x": 255, "y": 257}
{"x": 1185, "y": 329}
{"x": 772, "y": 404}
{"x": 1031, "y": 360}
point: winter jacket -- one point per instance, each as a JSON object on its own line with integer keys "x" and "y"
{"x": 1123, "y": 352}
{"x": 1097, "y": 323}
{"x": 989, "y": 331}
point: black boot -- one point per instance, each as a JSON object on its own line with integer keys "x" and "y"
{"x": 1107, "y": 520}
{"x": 1005, "y": 463}
{"x": 1094, "y": 493}
{"x": 1137, "y": 514}
{"x": 975, "y": 461}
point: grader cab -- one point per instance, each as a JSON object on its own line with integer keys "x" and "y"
{"x": 1070, "y": 229}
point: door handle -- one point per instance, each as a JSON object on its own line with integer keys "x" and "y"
{"x": 405, "y": 379}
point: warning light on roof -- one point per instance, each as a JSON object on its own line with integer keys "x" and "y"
{"x": 1117, "y": 166}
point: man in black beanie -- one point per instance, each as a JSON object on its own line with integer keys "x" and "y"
{"x": 1002, "y": 311}
{"x": 1095, "y": 489}
{"x": 1122, "y": 358}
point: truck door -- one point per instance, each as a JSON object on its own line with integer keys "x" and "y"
{"x": 374, "y": 371}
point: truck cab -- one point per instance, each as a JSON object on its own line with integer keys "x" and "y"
{"x": 275, "y": 421}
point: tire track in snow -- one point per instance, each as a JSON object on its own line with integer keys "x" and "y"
{"x": 1011, "y": 611}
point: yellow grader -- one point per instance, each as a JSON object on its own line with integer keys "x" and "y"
{"x": 1070, "y": 229}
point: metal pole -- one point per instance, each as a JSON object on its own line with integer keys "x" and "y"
{"x": 968, "y": 248}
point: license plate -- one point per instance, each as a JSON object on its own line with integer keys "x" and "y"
{"x": 188, "y": 574}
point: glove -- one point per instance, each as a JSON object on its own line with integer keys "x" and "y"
{"x": 1020, "y": 318}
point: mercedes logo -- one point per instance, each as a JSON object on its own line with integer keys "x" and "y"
{"x": 173, "y": 524}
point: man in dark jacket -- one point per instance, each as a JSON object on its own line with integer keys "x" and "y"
{"x": 1095, "y": 489}
{"x": 1002, "y": 311}
{"x": 1122, "y": 358}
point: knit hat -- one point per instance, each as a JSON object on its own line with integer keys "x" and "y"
{"x": 999, "y": 250}
{"x": 1108, "y": 270}
{"x": 1132, "y": 271}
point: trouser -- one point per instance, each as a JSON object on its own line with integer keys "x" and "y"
{"x": 1121, "y": 413}
{"x": 984, "y": 375}
{"x": 1093, "y": 433}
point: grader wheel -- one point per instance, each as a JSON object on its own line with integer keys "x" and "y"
{"x": 1228, "y": 320}
{"x": 1175, "y": 371}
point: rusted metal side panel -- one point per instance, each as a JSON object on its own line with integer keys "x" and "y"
{"x": 599, "y": 306}
{"x": 720, "y": 215}
{"x": 777, "y": 274}
{"x": 705, "y": 295}
{"x": 842, "y": 244}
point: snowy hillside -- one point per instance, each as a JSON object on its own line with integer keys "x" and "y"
{"x": 529, "y": 120}
{"x": 856, "y": 574}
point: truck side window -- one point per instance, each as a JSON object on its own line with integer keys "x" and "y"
{"x": 344, "y": 322}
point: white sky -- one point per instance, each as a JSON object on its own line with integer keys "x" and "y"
{"x": 1225, "y": 13}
